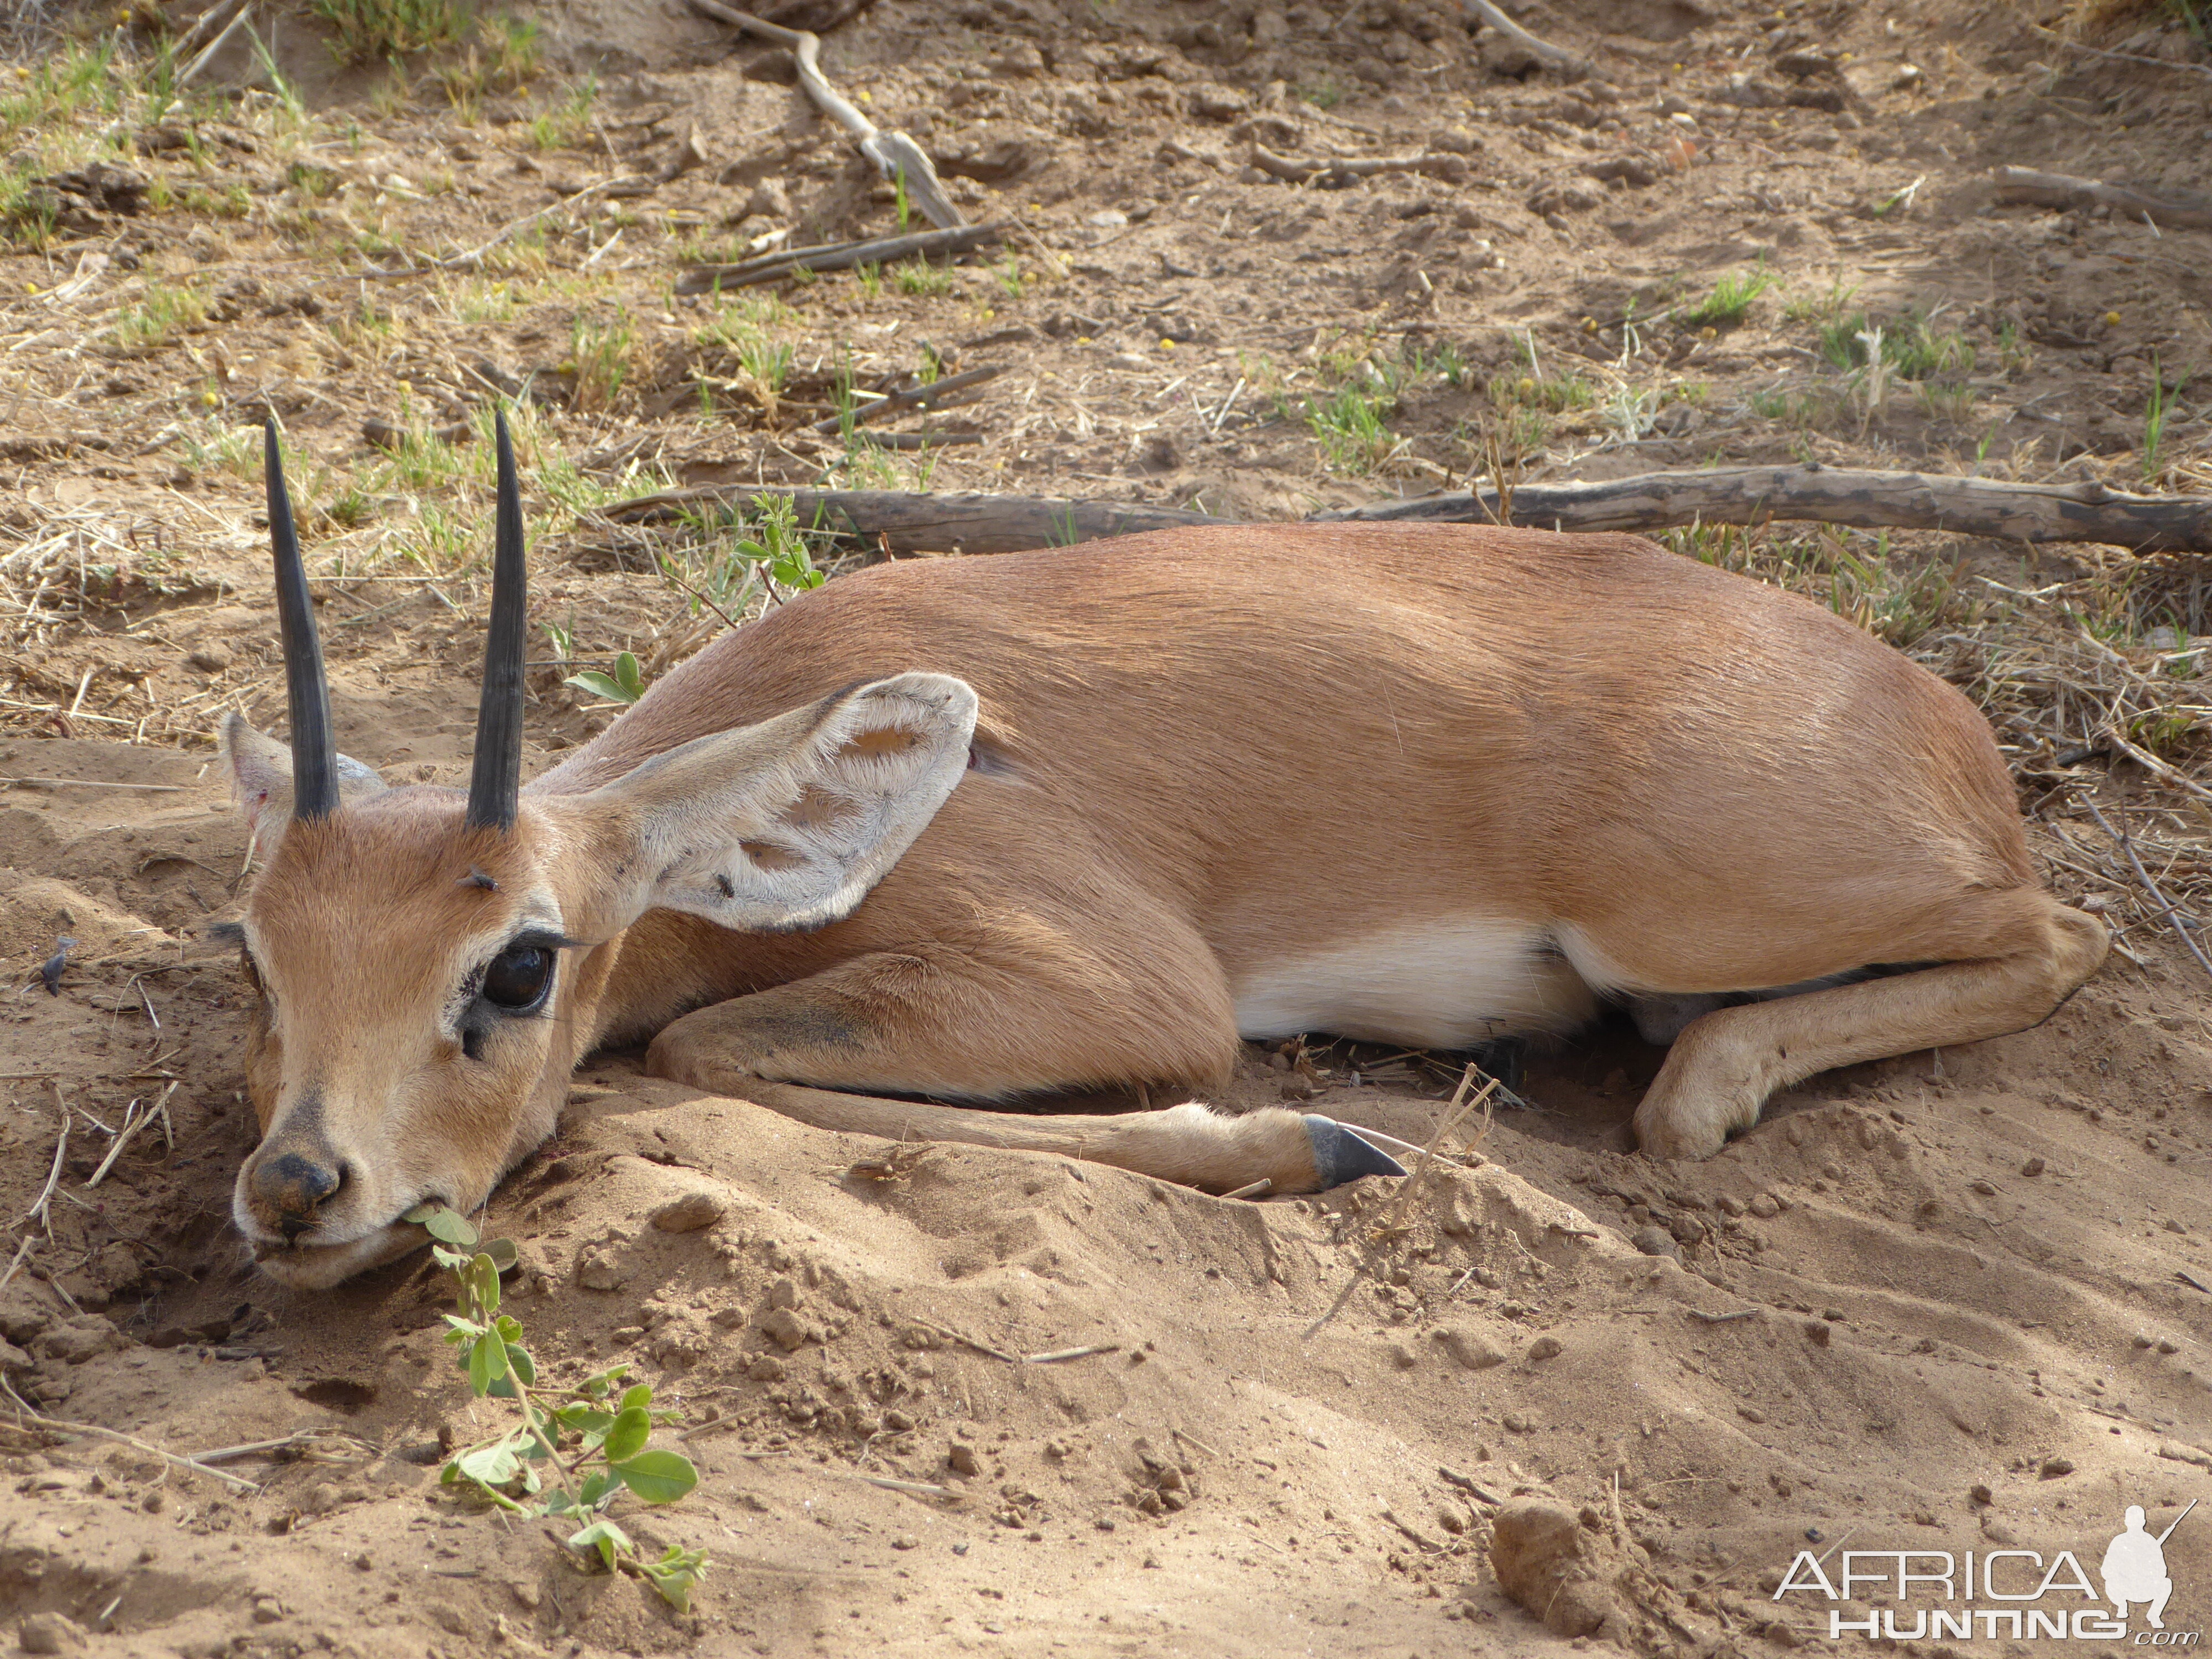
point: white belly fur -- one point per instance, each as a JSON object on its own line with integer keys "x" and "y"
{"x": 1446, "y": 983}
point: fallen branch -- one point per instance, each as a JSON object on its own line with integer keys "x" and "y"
{"x": 1865, "y": 500}
{"x": 233, "y": 18}
{"x": 921, "y": 397}
{"x": 896, "y": 156}
{"x": 2064, "y": 189}
{"x": 1337, "y": 171}
{"x": 1512, "y": 31}
{"x": 919, "y": 523}
{"x": 216, "y": 19}
{"x": 915, "y": 523}
{"x": 835, "y": 256}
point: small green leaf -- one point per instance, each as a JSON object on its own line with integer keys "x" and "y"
{"x": 658, "y": 1476}
{"x": 632, "y": 1428}
{"x": 674, "y": 1574}
{"x": 559, "y": 1503}
{"x": 604, "y": 1536}
{"x": 638, "y": 1395}
{"x": 600, "y": 685}
{"x": 480, "y": 1282}
{"x": 493, "y": 1464}
{"x": 600, "y": 1385}
{"x": 597, "y": 1484}
{"x": 629, "y": 676}
{"x": 522, "y": 1369}
{"x": 450, "y": 1226}
{"x": 486, "y": 1362}
{"x": 504, "y": 1256}
{"x": 451, "y": 1260}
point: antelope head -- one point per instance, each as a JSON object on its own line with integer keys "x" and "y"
{"x": 426, "y": 961}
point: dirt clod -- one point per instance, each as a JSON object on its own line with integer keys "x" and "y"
{"x": 691, "y": 1212}
{"x": 1566, "y": 1574}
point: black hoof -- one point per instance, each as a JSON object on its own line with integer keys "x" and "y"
{"x": 1503, "y": 1059}
{"x": 1340, "y": 1156}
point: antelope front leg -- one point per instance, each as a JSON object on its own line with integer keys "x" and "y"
{"x": 806, "y": 1048}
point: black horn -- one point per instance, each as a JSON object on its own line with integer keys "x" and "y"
{"x": 496, "y": 778}
{"x": 314, "y": 757}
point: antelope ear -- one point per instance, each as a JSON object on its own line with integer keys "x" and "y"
{"x": 261, "y": 772}
{"x": 777, "y": 827}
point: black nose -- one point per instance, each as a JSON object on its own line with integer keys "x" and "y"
{"x": 293, "y": 1185}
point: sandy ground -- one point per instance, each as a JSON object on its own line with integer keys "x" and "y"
{"x": 1955, "y": 1301}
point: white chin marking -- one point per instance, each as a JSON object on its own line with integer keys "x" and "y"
{"x": 1446, "y": 983}
{"x": 318, "y": 1267}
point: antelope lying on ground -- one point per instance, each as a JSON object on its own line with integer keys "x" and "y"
{"x": 979, "y": 828}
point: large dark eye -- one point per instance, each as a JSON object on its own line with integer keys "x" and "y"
{"x": 518, "y": 979}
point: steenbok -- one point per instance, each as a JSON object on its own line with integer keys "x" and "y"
{"x": 978, "y": 828}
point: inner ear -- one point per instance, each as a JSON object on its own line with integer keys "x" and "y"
{"x": 783, "y": 825}
{"x": 884, "y": 740}
{"x": 261, "y": 773}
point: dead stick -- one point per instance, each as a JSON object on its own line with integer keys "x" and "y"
{"x": 129, "y": 1129}
{"x": 1059, "y": 1355}
{"x": 918, "y": 523}
{"x": 1863, "y": 499}
{"x": 921, "y": 397}
{"x": 2064, "y": 189}
{"x": 2165, "y": 904}
{"x": 881, "y": 250}
{"x": 215, "y": 17}
{"x": 1194, "y": 1441}
{"x": 919, "y": 1488}
{"x": 37, "y": 1211}
{"x": 22, "y": 1250}
{"x": 1512, "y": 31}
{"x": 970, "y": 1341}
{"x": 896, "y": 156}
{"x": 62, "y": 1426}
{"x": 89, "y": 783}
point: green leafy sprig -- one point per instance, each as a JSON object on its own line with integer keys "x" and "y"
{"x": 573, "y": 1453}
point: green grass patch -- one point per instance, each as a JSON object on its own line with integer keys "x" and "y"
{"x": 373, "y": 31}
{"x": 1731, "y": 298}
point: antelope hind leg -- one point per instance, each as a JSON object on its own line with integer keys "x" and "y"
{"x": 1724, "y": 1067}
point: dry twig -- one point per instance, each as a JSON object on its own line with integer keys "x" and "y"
{"x": 896, "y": 156}
{"x": 2164, "y": 903}
{"x": 25, "y": 1412}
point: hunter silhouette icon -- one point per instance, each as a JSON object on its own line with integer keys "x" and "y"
{"x": 2134, "y": 1567}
